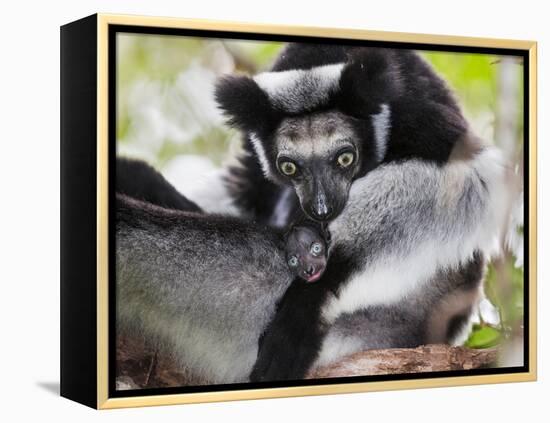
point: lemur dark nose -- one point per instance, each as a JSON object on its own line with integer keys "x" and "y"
{"x": 310, "y": 270}
{"x": 321, "y": 212}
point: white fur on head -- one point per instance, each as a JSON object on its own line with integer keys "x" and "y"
{"x": 381, "y": 123}
{"x": 261, "y": 154}
{"x": 299, "y": 90}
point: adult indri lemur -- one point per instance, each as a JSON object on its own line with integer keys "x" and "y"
{"x": 323, "y": 117}
{"x": 408, "y": 244}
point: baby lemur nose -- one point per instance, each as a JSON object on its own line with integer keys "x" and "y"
{"x": 309, "y": 271}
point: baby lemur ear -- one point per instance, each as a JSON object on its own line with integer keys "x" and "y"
{"x": 371, "y": 78}
{"x": 245, "y": 104}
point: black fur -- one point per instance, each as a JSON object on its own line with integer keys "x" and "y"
{"x": 136, "y": 213}
{"x": 372, "y": 77}
{"x": 457, "y": 323}
{"x": 246, "y": 105}
{"x": 307, "y": 56}
{"x": 254, "y": 195}
{"x": 426, "y": 123}
{"x": 137, "y": 179}
{"x": 293, "y": 339}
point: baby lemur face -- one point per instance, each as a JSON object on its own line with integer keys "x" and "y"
{"x": 306, "y": 253}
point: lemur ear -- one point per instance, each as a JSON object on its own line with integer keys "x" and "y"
{"x": 370, "y": 78}
{"x": 245, "y": 104}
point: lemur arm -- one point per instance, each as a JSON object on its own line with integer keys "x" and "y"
{"x": 293, "y": 336}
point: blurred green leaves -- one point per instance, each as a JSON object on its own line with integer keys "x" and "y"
{"x": 483, "y": 337}
{"x": 472, "y": 76}
{"x": 504, "y": 285}
{"x": 211, "y": 143}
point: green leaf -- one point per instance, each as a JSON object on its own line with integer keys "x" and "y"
{"x": 483, "y": 337}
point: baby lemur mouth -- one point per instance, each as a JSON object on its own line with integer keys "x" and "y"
{"x": 315, "y": 276}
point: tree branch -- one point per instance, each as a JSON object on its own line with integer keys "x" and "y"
{"x": 145, "y": 366}
{"x": 428, "y": 358}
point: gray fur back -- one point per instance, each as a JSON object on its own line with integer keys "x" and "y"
{"x": 203, "y": 288}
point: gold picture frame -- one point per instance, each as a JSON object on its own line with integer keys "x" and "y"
{"x": 97, "y": 33}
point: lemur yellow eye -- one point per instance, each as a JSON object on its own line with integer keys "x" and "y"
{"x": 288, "y": 168}
{"x": 346, "y": 159}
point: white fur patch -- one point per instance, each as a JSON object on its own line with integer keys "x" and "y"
{"x": 260, "y": 153}
{"x": 300, "y": 90}
{"x": 336, "y": 346}
{"x": 382, "y": 125}
{"x": 391, "y": 277}
{"x": 201, "y": 181}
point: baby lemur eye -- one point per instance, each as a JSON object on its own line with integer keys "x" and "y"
{"x": 293, "y": 261}
{"x": 316, "y": 248}
{"x": 288, "y": 168}
{"x": 346, "y": 159}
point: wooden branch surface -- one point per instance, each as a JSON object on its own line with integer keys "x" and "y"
{"x": 141, "y": 366}
{"x": 428, "y": 358}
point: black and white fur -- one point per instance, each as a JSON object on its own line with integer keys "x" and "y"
{"x": 404, "y": 268}
{"x": 391, "y": 110}
{"x": 387, "y": 105}
{"x": 412, "y": 236}
{"x": 207, "y": 287}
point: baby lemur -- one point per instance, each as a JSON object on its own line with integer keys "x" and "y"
{"x": 306, "y": 252}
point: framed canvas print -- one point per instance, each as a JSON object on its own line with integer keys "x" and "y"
{"x": 254, "y": 211}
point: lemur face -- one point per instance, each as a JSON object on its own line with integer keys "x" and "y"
{"x": 306, "y": 253}
{"x": 317, "y": 128}
{"x": 319, "y": 155}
